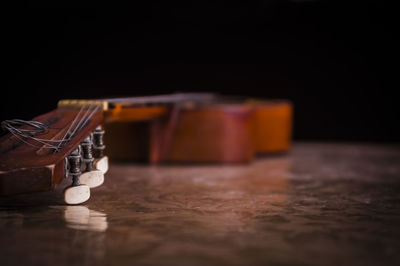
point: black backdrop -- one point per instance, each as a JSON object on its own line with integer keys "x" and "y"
{"x": 335, "y": 61}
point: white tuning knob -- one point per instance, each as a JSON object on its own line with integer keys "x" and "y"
{"x": 101, "y": 164}
{"x": 92, "y": 178}
{"x": 76, "y": 194}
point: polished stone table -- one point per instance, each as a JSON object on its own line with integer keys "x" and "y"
{"x": 321, "y": 204}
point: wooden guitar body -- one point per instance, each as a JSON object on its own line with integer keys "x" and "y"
{"x": 213, "y": 133}
{"x": 220, "y": 131}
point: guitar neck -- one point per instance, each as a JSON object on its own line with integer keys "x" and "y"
{"x": 141, "y": 100}
{"x": 164, "y": 99}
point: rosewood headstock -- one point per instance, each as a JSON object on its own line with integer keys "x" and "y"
{"x": 40, "y": 161}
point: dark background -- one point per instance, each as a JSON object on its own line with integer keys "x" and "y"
{"x": 335, "y": 61}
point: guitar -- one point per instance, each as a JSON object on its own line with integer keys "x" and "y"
{"x": 187, "y": 128}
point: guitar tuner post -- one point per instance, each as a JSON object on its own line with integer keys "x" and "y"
{"x": 98, "y": 142}
{"x": 87, "y": 153}
{"x": 76, "y": 193}
{"x": 74, "y": 162}
{"x": 91, "y": 176}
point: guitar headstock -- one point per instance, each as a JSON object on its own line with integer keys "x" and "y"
{"x": 37, "y": 155}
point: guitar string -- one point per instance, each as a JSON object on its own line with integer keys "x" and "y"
{"x": 46, "y": 142}
{"x": 30, "y": 144}
{"x": 56, "y": 141}
{"x": 20, "y": 135}
{"x": 42, "y": 128}
{"x": 82, "y": 121}
{"x": 69, "y": 128}
{"x": 39, "y": 127}
{"x": 87, "y": 119}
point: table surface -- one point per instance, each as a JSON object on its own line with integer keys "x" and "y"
{"x": 321, "y": 204}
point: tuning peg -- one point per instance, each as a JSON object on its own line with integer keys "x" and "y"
{"x": 91, "y": 177}
{"x": 101, "y": 164}
{"x": 101, "y": 161}
{"x": 76, "y": 193}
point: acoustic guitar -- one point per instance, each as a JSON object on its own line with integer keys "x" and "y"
{"x": 178, "y": 128}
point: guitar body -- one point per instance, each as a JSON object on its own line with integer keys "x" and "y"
{"x": 220, "y": 133}
{"x": 215, "y": 132}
